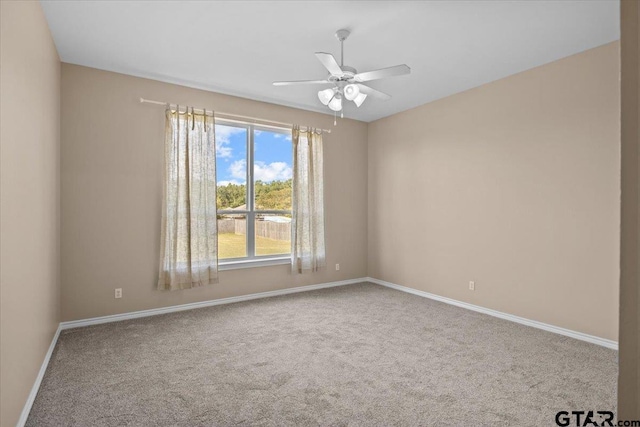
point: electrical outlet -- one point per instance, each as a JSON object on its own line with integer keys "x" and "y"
{"x": 337, "y": 267}
{"x": 472, "y": 286}
{"x": 118, "y": 292}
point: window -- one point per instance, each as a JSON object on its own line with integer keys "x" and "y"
{"x": 254, "y": 179}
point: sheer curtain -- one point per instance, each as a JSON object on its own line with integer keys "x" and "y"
{"x": 307, "y": 239}
{"x": 189, "y": 242}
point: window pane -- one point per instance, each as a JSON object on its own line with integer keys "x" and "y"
{"x": 272, "y": 170}
{"x": 273, "y": 234}
{"x": 232, "y": 236}
{"x": 231, "y": 167}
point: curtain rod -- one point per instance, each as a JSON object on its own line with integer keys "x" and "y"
{"x": 228, "y": 115}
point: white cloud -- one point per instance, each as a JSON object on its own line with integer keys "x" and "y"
{"x": 282, "y": 136}
{"x": 223, "y": 138}
{"x": 238, "y": 169}
{"x": 276, "y": 171}
{"x": 233, "y": 181}
{"x": 224, "y": 133}
{"x": 265, "y": 172}
{"x": 223, "y": 151}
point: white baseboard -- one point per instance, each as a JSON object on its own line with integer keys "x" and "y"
{"x": 528, "y": 322}
{"x": 191, "y": 306}
{"x": 36, "y": 385}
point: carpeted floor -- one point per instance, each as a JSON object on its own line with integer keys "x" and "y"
{"x": 353, "y": 355}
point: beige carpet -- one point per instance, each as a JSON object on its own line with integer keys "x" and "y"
{"x": 353, "y": 355}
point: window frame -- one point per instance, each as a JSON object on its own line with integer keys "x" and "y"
{"x": 252, "y": 260}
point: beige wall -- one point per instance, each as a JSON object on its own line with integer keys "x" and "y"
{"x": 112, "y": 162}
{"x": 514, "y": 185}
{"x": 29, "y": 199}
{"x": 629, "y": 377}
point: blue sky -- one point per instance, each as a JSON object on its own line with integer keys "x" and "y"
{"x": 272, "y": 155}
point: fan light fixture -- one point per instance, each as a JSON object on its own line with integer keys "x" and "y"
{"x": 351, "y": 91}
{"x": 359, "y": 99}
{"x": 347, "y": 82}
{"x": 333, "y": 97}
{"x": 336, "y": 102}
{"x": 326, "y": 96}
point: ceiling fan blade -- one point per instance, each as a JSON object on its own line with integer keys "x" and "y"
{"x": 373, "y": 93}
{"x": 302, "y": 82}
{"x": 398, "y": 70}
{"x": 329, "y": 63}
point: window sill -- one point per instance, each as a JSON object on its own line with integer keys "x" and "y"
{"x": 253, "y": 263}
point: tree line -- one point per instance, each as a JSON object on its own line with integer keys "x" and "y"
{"x": 274, "y": 195}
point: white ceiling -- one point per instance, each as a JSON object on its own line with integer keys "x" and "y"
{"x": 241, "y": 47}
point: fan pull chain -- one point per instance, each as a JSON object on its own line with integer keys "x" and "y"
{"x": 334, "y": 118}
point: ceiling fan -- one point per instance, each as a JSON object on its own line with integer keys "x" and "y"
{"x": 346, "y": 81}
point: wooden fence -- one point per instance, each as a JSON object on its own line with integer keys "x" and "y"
{"x": 268, "y": 229}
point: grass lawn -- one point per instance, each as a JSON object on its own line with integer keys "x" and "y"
{"x": 232, "y": 245}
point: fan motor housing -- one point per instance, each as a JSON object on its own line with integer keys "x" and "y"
{"x": 347, "y": 74}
